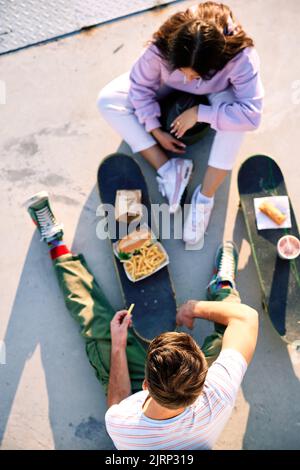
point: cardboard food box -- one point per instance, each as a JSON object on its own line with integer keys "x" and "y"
{"x": 141, "y": 254}
{"x": 128, "y": 205}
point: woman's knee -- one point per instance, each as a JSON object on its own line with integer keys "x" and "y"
{"x": 104, "y": 99}
{"x": 114, "y": 95}
{"x": 225, "y": 148}
{"x": 110, "y": 101}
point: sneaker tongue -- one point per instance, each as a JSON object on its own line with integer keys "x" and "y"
{"x": 203, "y": 199}
{"x": 163, "y": 170}
{"x": 225, "y": 279}
{"x": 40, "y": 205}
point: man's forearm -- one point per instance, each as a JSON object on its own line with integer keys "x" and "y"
{"x": 119, "y": 386}
{"x": 221, "y": 312}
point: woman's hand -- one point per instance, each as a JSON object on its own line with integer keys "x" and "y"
{"x": 185, "y": 121}
{"x": 186, "y": 315}
{"x": 168, "y": 142}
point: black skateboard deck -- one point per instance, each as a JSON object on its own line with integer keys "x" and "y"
{"x": 260, "y": 176}
{"x": 154, "y": 298}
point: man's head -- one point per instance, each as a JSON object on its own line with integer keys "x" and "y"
{"x": 175, "y": 370}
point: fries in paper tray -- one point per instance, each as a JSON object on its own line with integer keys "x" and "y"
{"x": 141, "y": 254}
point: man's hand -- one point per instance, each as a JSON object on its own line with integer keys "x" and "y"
{"x": 168, "y": 142}
{"x": 185, "y": 121}
{"x": 119, "y": 329}
{"x": 186, "y": 314}
{"x": 119, "y": 386}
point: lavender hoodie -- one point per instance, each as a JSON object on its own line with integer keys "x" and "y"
{"x": 241, "y": 73}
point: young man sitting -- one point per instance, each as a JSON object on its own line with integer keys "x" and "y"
{"x": 166, "y": 397}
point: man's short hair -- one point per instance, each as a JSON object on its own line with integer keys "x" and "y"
{"x": 176, "y": 369}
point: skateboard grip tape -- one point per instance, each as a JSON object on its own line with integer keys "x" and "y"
{"x": 271, "y": 211}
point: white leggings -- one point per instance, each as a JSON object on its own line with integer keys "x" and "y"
{"x": 115, "y": 107}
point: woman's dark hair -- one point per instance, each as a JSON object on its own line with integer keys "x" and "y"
{"x": 204, "y": 38}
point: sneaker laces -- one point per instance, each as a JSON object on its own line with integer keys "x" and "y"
{"x": 227, "y": 265}
{"x": 47, "y": 222}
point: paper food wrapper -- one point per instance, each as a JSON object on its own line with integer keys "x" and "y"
{"x": 263, "y": 221}
{"x": 128, "y": 207}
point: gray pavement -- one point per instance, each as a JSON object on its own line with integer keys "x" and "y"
{"x": 53, "y": 138}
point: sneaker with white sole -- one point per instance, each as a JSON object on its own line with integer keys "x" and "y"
{"x": 197, "y": 219}
{"x": 41, "y": 213}
{"x": 226, "y": 265}
{"x": 173, "y": 180}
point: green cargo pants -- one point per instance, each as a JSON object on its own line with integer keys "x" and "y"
{"x": 89, "y": 307}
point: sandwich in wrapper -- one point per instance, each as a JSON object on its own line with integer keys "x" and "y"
{"x": 272, "y": 212}
{"x": 128, "y": 206}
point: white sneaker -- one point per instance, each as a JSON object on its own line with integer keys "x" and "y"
{"x": 173, "y": 179}
{"x": 197, "y": 219}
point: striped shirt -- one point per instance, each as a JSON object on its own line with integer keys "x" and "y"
{"x": 197, "y": 427}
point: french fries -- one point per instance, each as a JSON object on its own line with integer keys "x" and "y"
{"x": 129, "y": 311}
{"x": 148, "y": 259}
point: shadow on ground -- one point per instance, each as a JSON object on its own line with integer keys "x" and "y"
{"x": 76, "y": 403}
{"x": 274, "y": 415}
{"x": 39, "y": 319}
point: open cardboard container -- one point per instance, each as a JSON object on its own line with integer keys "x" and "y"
{"x": 155, "y": 242}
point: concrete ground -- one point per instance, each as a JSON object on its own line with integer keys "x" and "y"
{"x": 53, "y": 138}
